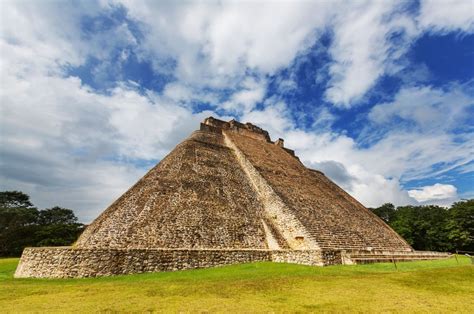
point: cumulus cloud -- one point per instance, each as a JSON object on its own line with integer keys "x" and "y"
{"x": 214, "y": 43}
{"x": 447, "y": 16}
{"x": 53, "y": 40}
{"x": 337, "y": 172}
{"x": 394, "y": 159}
{"x": 341, "y": 160}
{"x": 62, "y": 142}
{"x": 362, "y": 49}
{"x": 430, "y": 108}
{"x": 434, "y": 193}
{"x": 425, "y": 145}
{"x": 369, "y": 39}
{"x": 250, "y": 93}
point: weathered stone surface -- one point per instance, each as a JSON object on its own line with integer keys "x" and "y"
{"x": 225, "y": 195}
{"x": 331, "y": 216}
{"x": 68, "y": 262}
{"x": 64, "y": 262}
{"x": 196, "y": 197}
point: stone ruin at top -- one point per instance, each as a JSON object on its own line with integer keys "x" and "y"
{"x": 227, "y": 194}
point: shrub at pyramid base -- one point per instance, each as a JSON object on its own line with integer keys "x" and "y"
{"x": 225, "y": 195}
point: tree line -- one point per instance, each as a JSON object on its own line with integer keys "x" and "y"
{"x": 23, "y": 225}
{"x": 431, "y": 227}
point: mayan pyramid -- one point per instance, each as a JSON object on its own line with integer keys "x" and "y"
{"x": 224, "y": 195}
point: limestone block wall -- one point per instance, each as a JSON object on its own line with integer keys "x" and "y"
{"x": 68, "y": 262}
{"x": 307, "y": 257}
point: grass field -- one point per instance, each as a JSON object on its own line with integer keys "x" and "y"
{"x": 429, "y": 286}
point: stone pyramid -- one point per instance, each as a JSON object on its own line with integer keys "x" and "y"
{"x": 229, "y": 187}
{"x": 226, "y": 194}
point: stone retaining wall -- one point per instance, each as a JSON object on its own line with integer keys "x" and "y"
{"x": 68, "y": 262}
{"x": 307, "y": 257}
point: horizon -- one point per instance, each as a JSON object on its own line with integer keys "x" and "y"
{"x": 379, "y": 96}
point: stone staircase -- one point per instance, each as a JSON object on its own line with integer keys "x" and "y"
{"x": 374, "y": 256}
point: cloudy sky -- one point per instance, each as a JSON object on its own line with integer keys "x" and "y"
{"x": 378, "y": 95}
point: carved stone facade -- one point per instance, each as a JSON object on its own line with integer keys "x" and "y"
{"x": 225, "y": 195}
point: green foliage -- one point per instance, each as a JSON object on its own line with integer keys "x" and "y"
{"x": 14, "y": 199}
{"x": 431, "y": 227}
{"x": 23, "y": 225}
{"x": 461, "y": 225}
{"x": 386, "y": 212}
{"x": 56, "y": 215}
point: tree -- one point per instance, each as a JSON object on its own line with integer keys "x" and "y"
{"x": 433, "y": 227}
{"x": 22, "y": 225}
{"x": 14, "y": 199}
{"x": 426, "y": 225}
{"x": 56, "y": 215}
{"x": 58, "y": 227}
{"x": 386, "y": 212}
{"x": 460, "y": 226}
{"x": 16, "y": 210}
{"x": 18, "y": 220}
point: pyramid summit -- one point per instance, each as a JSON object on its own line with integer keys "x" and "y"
{"x": 227, "y": 194}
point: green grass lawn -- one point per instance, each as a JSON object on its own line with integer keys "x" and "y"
{"x": 428, "y": 286}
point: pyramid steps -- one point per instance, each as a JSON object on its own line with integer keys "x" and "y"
{"x": 375, "y": 256}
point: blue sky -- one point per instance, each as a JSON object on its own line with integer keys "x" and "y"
{"x": 378, "y": 95}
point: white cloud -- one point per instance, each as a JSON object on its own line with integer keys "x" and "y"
{"x": 360, "y": 177}
{"x": 40, "y": 37}
{"x": 429, "y": 108}
{"x": 362, "y": 49}
{"x": 374, "y": 175}
{"x": 272, "y": 118}
{"x": 250, "y": 93}
{"x": 335, "y": 154}
{"x": 447, "y": 15}
{"x": 434, "y": 193}
{"x": 62, "y": 142}
{"x": 66, "y": 145}
{"x": 428, "y": 116}
{"x": 216, "y": 43}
